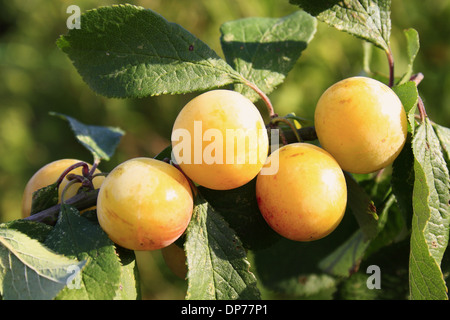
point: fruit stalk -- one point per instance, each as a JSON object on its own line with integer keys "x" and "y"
{"x": 417, "y": 78}
{"x": 422, "y": 111}
{"x": 390, "y": 57}
{"x": 263, "y": 96}
{"x": 72, "y": 167}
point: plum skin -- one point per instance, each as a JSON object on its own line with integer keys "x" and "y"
{"x": 306, "y": 199}
{"x": 209, "y": 128}
{"x": 144, "y": 204}
{"x": 361, "y": 122}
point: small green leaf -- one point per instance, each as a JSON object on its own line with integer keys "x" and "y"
{"x": 301, "y": 121}
{"x": 366, "y": 19}
{"x": 408, "y": 94}
{"x": 44, "y": 198}
{"x": 218, "y": 268}
{"x": 29, "y": 270}
{"x": 362, "y": 207}
{"x": 403, "y": 179}
{"x": 166, "y": 153}
{"x": 127, "y": 51}
{"x": 431, "y": 219}
{"x": 413, "y": 46}
{"x": 443, "y": 135}
{"x": 100, "y": 141}
{"x": 77, "y": 237}
{"x": 264, "y": 50}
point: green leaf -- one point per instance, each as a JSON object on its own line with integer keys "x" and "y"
{"x": 128, "y": 51}
{"x": 408, "y": 95}
{"x": 403, "y": 179}
{"x": 392, "y": 277}
{"x": 29, "y": 270}
{"x": 299, "y": 121}
{"x": 413, "y": 46}
{"x": 129, "y": 288}
{"x": 239, "y": 208}
{"x": 443, "y": 135}
{"x": 346, "y": 259}
{"x": 430, "y": 222}
{"x": 100, "y": 141}
{"x": 77, "y": 237}
{"x": 394, "y": 229}
{"x": 366, "y": 19}
{"x": 264, "y": 50}
{"x": 44, "y": 198}
{"x": 166, "y": 153}
{"x": 290, "y": 268}
{"x": 218, "y": 268}
{"x": 34, "y": 230}
{"x": 362, "y": 207}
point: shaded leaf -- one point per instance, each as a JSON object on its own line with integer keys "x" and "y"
{"x": 292, "y": 268}
{"x": 392, "y": 276}
{"x": 100, "y": 141}
{"x": 44, "y": 198}
{"x": 362, "y": 207}
{"x": 166, "y": 153}
{"x": 34, "y": 230}
{"x": 403, "y": 179}
{"x": 240, "y": 209}
{"x": 346, "y": 258}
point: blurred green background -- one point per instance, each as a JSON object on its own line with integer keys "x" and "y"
{"x": 36, "y": 78}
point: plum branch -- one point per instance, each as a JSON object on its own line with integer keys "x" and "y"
{"x": 80, "y": 201}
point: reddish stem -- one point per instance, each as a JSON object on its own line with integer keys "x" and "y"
{"x": 422, "y": 111}
{"x": 390, "y": 57}
{"x": 72, "y": 167}
{"x": 417, "y": 78}
{"x": 94, "y": 167}
{"x": 263, "y": 96}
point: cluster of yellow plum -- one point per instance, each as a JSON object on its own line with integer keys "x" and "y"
{"x": 220, "y": 141}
